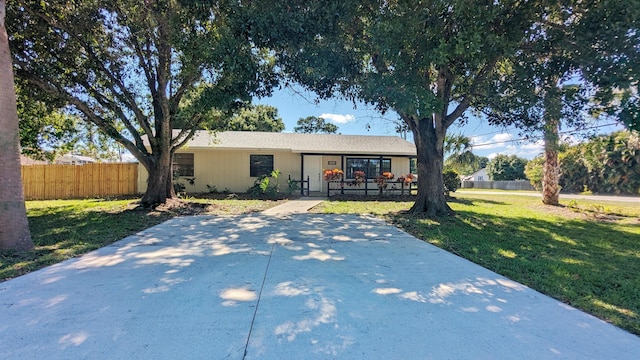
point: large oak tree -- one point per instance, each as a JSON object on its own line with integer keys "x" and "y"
{"x": 139, "y": 69}
{"x": 429, "y": 61}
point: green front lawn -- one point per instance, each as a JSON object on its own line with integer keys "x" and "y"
{"x": 62, "y": 229}
{"x": 586, "y": 255}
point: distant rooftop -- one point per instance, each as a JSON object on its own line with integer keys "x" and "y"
{"x": 303, "y": 143}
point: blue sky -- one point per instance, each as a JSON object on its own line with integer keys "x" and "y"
{"x": 294, "y": 103}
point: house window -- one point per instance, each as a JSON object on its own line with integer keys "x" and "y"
{"x": 260, "y": 165}
{"x": 413, "y": 165}
{"x": 372, "y": 167}
{"x": 182, "y": 164}
{"x": 480, "y": 178}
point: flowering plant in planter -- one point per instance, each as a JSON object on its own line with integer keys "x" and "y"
{"x": 406, "y": 179}
{"x": 381, "y": 180}
{"x": 335, "y": 174}
{"x": 359, "y": 177}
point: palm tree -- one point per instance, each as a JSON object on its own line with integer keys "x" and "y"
{"x": 457, "y": 150}
{"x": 14, "y": 227}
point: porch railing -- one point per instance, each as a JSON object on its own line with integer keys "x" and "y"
{"x": 303, "y": 185}
{"x": 370, "y": 187}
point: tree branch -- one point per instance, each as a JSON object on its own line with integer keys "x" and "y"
{"x": 91, "y": 115}
{"x": 124, "y": 95}
{"x": 466, "y": 100}
{"x": 174, "y": 102}
{"x": 188, "y": 137}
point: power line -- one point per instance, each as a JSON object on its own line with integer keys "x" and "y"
{"x": 541, "y": 137}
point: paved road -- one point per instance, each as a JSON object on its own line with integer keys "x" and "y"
{"x": 632, "y": 199}
{"x": 289, "y": 287}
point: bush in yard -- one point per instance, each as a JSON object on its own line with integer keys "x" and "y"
{"x": 607, "y": 163}
{"x": 265, "y": 186}
{"x": 451, "y": 181}
{"x": 381, "y": 180}
{"x": 534, "y": 172}
{"x": 574, "y": 173}
{"x": 503, "y": 167}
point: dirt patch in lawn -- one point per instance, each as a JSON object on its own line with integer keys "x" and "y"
{"x": 209, "y": 206}
{"x": 582, "y": 214}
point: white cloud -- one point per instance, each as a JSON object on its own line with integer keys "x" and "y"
{"x": 501, "y": 137}
{"x": 537, "y": 145}
{"x": 526, "y": 150}
{"x": 338, "y": 118}
{"x": 496, "y": 141}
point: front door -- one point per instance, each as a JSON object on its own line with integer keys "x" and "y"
{"x": 313, "y": 169}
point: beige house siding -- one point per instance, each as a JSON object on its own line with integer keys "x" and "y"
{"x": 223, "y": 159}
{"x": 229, "y": 169}
{"x": 400, "y": 166}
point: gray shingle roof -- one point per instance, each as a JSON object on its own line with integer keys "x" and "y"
{"x": 304, "y": 143}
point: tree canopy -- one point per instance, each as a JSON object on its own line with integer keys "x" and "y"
{"x": 579, "y": 61}
{"x": 506, "y": 167}
{"x": 428, "y": 61}
{"x": 137, "y": 69}
{"x": 255, "y": 118}
{"x": 315, "y": 125}
{"x": 44, "y": 128}
{"x": 459, "y": 158}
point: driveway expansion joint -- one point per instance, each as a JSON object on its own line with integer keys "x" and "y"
{"x": 255, "y": 312}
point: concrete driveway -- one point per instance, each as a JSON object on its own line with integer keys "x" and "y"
{"x": 291, "y": 287}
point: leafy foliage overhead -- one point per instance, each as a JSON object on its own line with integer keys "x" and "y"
{"x": 315, "y": 125}
{"x": 429, "y": 61}
{"x": 256, "y": 118}
{"x": 44, "y": 128}
{"x": 585, "y": 54}
{"x": 139, "y": 69}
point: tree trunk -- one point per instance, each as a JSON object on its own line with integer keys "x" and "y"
{"x": 429, "y": 145}
{"x": 159, "y": 182}
{"x": 551, "y": 169}
{"x": 14, "y": 226}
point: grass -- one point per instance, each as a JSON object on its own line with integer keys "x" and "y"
{"x": 586, "y": 254}
{"x": 472, "y": 190}
{"x": 62, "y": 229}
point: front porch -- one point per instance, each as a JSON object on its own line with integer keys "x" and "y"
{"x": 360, "y": 174}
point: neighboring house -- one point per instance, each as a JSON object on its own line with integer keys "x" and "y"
{"x": 71, "y": 159}
{"x": 25, "y": 160}
{"x": 233, "y": 160}
{"x": 480, "y": 175}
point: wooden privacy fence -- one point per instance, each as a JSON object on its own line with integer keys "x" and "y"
{"x": 44, "y": 182}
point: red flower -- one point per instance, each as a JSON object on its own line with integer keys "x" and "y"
{"x": 335, "y": 174}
